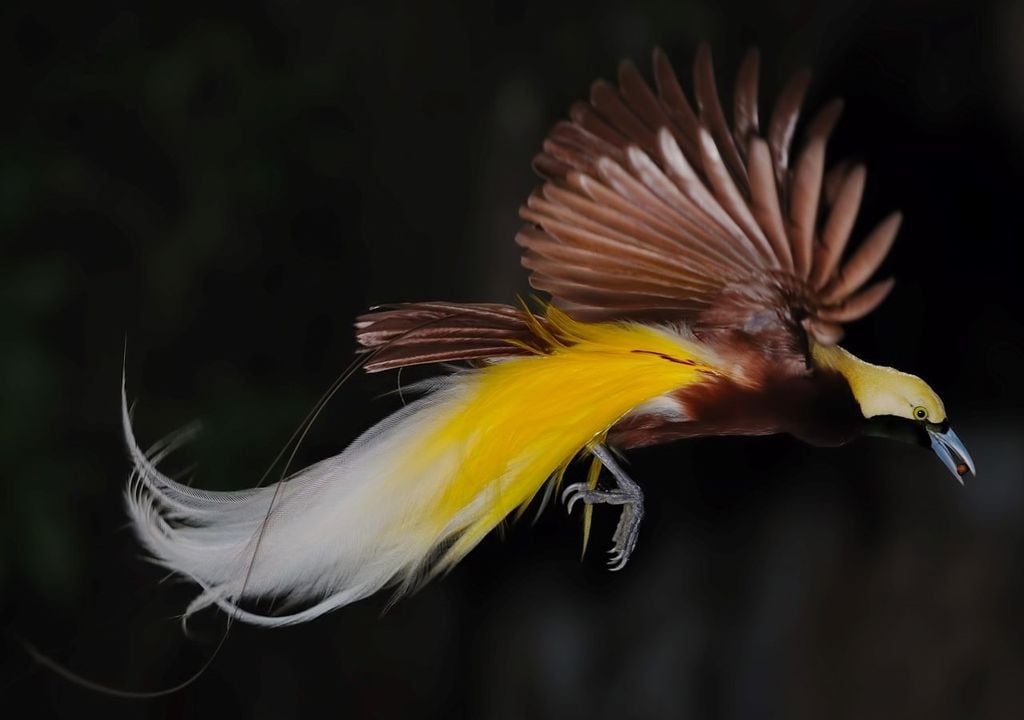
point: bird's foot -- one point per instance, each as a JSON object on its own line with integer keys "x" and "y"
{"x": 628, "y": 494}
{"x": 626, "y": 533}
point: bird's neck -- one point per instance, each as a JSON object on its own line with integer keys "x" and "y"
{"x": 867, "y": 382}
{"x": 839, "y": 359}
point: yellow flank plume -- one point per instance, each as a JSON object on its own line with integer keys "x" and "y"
{"x": 588, "y": 510}
{"x": 526, "y": 418}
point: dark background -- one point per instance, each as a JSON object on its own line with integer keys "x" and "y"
{"x": 227, "y": 188}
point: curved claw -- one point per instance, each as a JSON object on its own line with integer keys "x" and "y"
{"x": 576, "y": 490}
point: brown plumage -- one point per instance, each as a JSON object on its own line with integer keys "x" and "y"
{"x": 655, "y": 210}
{"x": 429, "y": 332}
{"x": 651, "y": 210}
{"x": 731, "y": 195}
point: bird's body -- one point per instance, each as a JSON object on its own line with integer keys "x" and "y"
{"x": 819, "y": 410}
{"x": 698, "y": 287}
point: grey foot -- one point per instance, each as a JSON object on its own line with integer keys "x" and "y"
{"x": 627, "y": 494}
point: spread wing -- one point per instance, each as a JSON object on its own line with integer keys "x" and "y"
{"x": 655, "y": 210}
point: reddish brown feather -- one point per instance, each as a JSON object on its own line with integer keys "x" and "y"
{"x": 860, "y": 304}
{"x": 712, "y": 116}
{"x": 585, "y": 295}
{"x": 621, "y": 278}
{"x": 563, "y": 205}
{"x": 676, "y": 106}
{"x": 641, "y": 228}
{"x": 575, "y": 148}
{"x": 865, "y": 260}
{"x": 744, "y": 108}
{"x": 418, "y": 333}
{"x": 425, "y": 310}
{"x": 684, "y": 209}
{"x": 632, "y": 189}
{"x": 783, "y": 122}
{"x": 565, "y": 241}
{"x": 607, "y": 101}
{"x": 804, "y": 194}
{"x": 652, "y": 213}
{"x": 392, "y": 359}
{"x": 575, "y": 137}
{"x": 639, "y": 96}
{"x": 824, "y": 121}
{"x": 617, "y": 282}
{"x": 764, "y": 201}
{"x": 834, "y": 180}
{"x": 701, "y": 227}
{"x": 648, "y": 187}
{"x": 690, "y": 184}
{"x": 548, "y": 167}
{"x": 838, "y": 227}
{"x": 824, "y": 333}
{"x": 732, "y": 202}
{"x": 584, "y": 116}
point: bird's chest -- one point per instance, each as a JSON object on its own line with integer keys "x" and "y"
{"x": 817, "y": 409}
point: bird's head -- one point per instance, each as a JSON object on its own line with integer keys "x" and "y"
{"x": 898, "y": 405}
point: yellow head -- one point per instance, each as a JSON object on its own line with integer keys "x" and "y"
{"x": 882, "y": 390}
{"x": 898, "y": 405}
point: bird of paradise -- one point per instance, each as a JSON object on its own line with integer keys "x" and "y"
{"x": 698, "y": 286}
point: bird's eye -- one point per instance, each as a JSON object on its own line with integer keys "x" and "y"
{"x": 920, "y": 413}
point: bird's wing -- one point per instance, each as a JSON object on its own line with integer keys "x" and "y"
{"x": 399, "y": 335}
{"x": 654, "y": 210}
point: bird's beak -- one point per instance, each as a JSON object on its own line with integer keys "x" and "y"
{"x": 939, "y": 436}
{"x": 951, "y": 450}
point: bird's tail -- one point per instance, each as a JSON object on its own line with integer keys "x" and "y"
{"x": 417, "y": 491}
{"x": 333, "y": 533}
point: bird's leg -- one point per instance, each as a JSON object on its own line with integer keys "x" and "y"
{"x": 627, "y": 494}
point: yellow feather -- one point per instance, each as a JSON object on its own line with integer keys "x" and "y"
{"x": 526, "y": 418}
{"x": 588, "y": 510}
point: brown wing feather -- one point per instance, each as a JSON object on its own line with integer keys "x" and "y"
{"x": 653, "y": 210}
{"x": 783, "y": 122}
{"x": 744, "y": 104}
{"x": 804, "y": 196}
{"x": 865, "y": 261}
{"x": 713, "y": 117}
{"x": 764, "y": 201}
{"x": 838, "y": 227}
{"x": 431, "y": 332}
{"x": 731, "y": 200}
{"x": 673, "y": 99}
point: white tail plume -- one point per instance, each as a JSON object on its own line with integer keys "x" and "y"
{"x": 335, "y": 532}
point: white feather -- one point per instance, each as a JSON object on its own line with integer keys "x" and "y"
{"x": 664, "y": 406}
{"x": 338, "y": 531}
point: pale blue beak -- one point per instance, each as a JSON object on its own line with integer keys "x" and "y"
{"x": 951, "y": 451}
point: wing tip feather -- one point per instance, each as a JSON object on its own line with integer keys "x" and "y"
{"x": 656, "y": 118}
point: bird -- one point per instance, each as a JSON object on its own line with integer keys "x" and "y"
{"x": 698, "y": 273}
